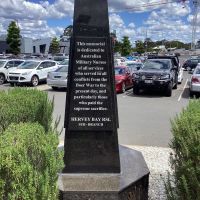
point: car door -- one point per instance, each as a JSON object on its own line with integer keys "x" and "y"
{"x": 128, "y": 77}
{"x": 41, "y": 70}
{"x": 9, "y": 66}
{"x": 50, "y": 66}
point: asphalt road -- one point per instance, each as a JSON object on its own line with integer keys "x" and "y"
{"x": 144, "y": 119}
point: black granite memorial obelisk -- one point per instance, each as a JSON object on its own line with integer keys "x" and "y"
{"x": 93, "y": 168}
{"x": 91, "y": 143}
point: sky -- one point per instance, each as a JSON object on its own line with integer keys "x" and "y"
{"x": 137, "y": 19}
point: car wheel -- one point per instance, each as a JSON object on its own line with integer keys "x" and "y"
{"x": 54, "y": 88}
{"x": 136, "y": 90}
{"x": 191, "y": 93}
{"x": 12, "y": 84}
{"x": 2, "y": 79}
{"x": 34, "y": 81}
{"x": 123, "y": 87}
{"x": 176, "y": 84}
{"x": 169, "y": 90}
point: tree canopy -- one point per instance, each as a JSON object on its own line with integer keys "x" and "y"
{"x": 54, "y": 46}
{"x": 13, "y": 38}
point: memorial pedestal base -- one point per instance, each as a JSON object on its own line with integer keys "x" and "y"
{"x": 131, "y": 184}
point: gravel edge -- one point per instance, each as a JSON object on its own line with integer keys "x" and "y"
{"x": 157, "y": 159}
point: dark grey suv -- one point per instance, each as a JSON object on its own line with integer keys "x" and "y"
{"x": 157, "y": 74}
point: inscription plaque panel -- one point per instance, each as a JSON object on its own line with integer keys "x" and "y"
{"x": 90, "y": 90}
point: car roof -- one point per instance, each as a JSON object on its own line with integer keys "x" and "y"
{"x": 120, "y": 66}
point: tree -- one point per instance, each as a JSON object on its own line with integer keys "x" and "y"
{"x": 54, "y": 46}
{"x": 140, "y": 47}
{"x": 13, "y": 38}
{"x": 126, "y": 46}
{"x": 118, "y": 47}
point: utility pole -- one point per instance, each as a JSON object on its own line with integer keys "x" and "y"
{"x": 146, "y": 42}
{"x": 194, "y": 23}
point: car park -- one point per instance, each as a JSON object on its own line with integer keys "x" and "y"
{"x": 31, "y": 71}
{"x": 123, "y": 78}
{"x": 157, "y": 74}
{"x": 195, "y": 81}
{"x": 6, "y": 66}
{"x": 191, "y": 64}
{"x": 58, "y": 78}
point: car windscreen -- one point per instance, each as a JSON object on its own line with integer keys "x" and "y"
{"x": 194, "y": 61}
{"x": 62, "y": 69}
{"x": 156, "y": 64}
{"x": 28, "y": 65}
{"x": 119, "y": 71}
{"x": 2, "y": 62}
{"x": 64, "y": 62}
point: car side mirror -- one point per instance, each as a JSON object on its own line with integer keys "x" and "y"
{"x": 6, "y": 67}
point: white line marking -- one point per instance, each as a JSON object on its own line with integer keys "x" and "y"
{"x": 183, "y": 90}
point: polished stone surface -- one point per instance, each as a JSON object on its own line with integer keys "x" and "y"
{"x": 91, "y": 121}
{"x": 132, "y": 184}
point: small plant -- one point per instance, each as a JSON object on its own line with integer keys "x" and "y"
{"x": 30, "y": 161}
{"x": 25, "y": 105}
{"x": 184, "y": 184}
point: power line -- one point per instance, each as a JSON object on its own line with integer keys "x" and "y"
{"x": 152, "y": 4}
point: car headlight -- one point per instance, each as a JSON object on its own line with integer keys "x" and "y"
{"x": 166, "y": 76}
{"x": 136, "y": 76}
{"x": 26, "y": 73}
{"x": 143, "y": 77}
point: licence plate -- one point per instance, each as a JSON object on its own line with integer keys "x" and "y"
{"x": 148, "y": 81}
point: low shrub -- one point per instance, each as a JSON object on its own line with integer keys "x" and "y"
{"x": 184, "y": 184}
{"x": 25, "y": 105}
{"x": 30, "y": 161}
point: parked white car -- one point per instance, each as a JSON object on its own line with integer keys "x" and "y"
{"x": 195, "y": 81}
{"x": 32, "y": 71}
{"x": 180, "y": 75}
{"x": 58, "y": 78}
{"x": 6, "y": 66}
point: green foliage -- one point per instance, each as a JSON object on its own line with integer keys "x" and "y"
{"x": 30, "y": 161}
{"x": 54, "y": 46}
{"x": 25, "y": 105}
{"x": 185, "y": 161}
{"x": 140, "y": 47}
{"x": 13, "y": 38}
{"x": 118, "y": 47}
{"x": 126, "y": 46}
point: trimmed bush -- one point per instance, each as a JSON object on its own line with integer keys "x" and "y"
{"x": 30, "y": 161}
{"x": 25, "y": 105}
{"x": 184, "y": 184}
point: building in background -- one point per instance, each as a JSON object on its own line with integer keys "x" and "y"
{"x": 3, "y": 44}
{"x": 41, "y": 46}
{"x": 26, "y": 45}
{"x": 64, "y": 44}
{"x": 38, "y": 46}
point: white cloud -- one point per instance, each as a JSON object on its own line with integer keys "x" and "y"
{"x": 117, "y": 24}
{"x": 165, "y": 22}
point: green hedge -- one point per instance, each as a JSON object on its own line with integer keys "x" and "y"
{"x": 25, "y": 105}
{"x": 184, "y": 184}
{"x": 30, "y": 161}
